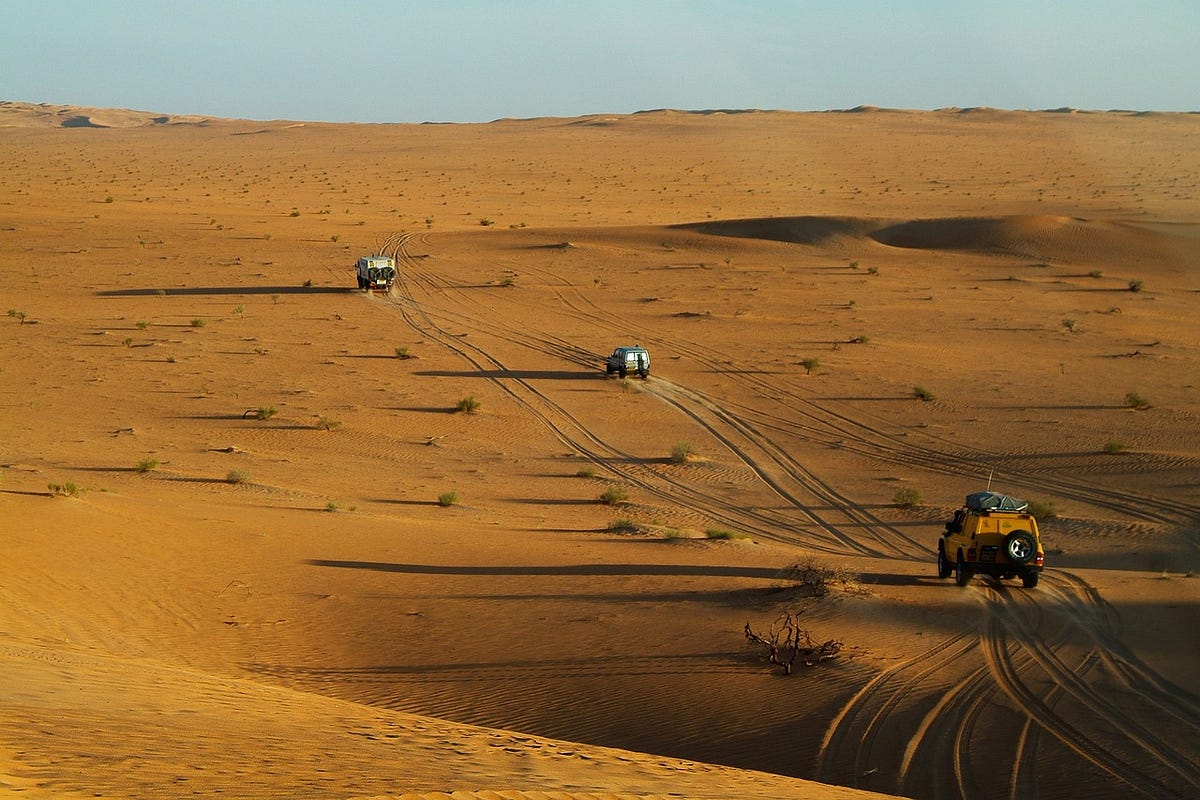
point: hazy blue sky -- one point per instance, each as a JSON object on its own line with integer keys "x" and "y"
{"x": 376, "y": 61}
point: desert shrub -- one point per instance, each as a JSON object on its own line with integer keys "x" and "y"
{"x": 907, "y": 498}
{"x": 1095, "y": 274}
{"x": 923, "y": 394}
{"x": 816, "y": 577}
{"x": 307, "y": 284}
{"x": 1136, "y": 401}
{"x": 447, "y": 499}
{"x": 468, "y": 405}
{"x": 239, "y": 310}
{"x": 622, "y": 525}
{"x": 586, "y": 472}
{"x": 328, "y": 423}
{"x": 614, "y": 495}
{"x": 295, "y": 213}
{"x": 67, "y": 489}
{"x": 486, "y": 222}
{"x": 1069, "y": 324}
{"x": 858, "y": 340}
{"x": 127, "y": 341}
{"x": 681, "y": 453}
{"x": 108, "y": 199}
{"x": 146, "y": 464}
{"x": 785, "y": 642}
{"x": 237, "y": 476}
{"x": 1042, "y": 509}
{"x": 1112, "y": 447}
{"x": 721, "y": 534}
{"x": 331, "y": 506}
{"x": 810, "y": 364}
{"x": 402, "y": 352}
{"x": 508, "y": 281}
{"x": 142, "y": 325}
{"x": 260, "y": 413}
{"x": 197, "y": 322}
{"x": 1135, "y": 285}
{"x": 872, "y": 270}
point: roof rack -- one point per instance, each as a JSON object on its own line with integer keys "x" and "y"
{"x": 994, "y": 501}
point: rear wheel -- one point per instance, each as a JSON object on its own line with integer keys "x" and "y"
{"x": 961, "y": 576}
{"x": 944, "y": 567}
{"x": 1029, "y": 580}
{"x": 621, "y": 372}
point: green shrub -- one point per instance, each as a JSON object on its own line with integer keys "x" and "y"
{"x": 146, "y": 464}
{"x": 468, "y": 405}
{"x": 1113, "y": 447}
{"x": 681, "y": 453}
{"x": 622, "y": 525}
{"x": 331, "y": 506}
{"x": 907, "y": 498}
{"x": 1136, "y": 401}
{"x": 328, "y": 424}
{"x": 402, "y": 352}
{"x": 923, "y": 394}
{"x": 723, "y": 535}
{"x": 810, "y": 364}
{"x": 261, "y": 413}
{"x": 197, "y": 322}
{"x": 447, "y": 499}
{"x": 614, "y": 495}
{"x": 142, "y": 325}
{"x": 586, "y": 472}
{"x": 67, "y": 489}
{"x": 1135, "y": 285}
{"x": 1069, "y": 324}
{"x": 237, "y": 476}
{"x": 1042, "y": 509}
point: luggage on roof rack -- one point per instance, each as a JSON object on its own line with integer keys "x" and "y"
{"x": 994, "y": 501}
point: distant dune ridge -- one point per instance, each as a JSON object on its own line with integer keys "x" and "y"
{"x": 256, "y": 545}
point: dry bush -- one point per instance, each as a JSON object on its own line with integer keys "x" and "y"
{"x": 817, "y": 577}
{"x": 785, "y": 643}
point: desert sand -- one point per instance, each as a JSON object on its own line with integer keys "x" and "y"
{"x": 253, "y": 548}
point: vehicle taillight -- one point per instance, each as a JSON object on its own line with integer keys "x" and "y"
{"x": 1040, "y": 560}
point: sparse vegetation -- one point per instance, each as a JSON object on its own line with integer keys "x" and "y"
{"x": 858, "y": 340}
{"x": 331, "y": 506}
{"x": 1112, "y": 447}
{"x": 260, "y": 413}
{"x": 816, "y": 577}
{"x": 67, "y": 489}
{"x": 622, "y": 525}
{"x": 1135, "y": 285}
{"x": 1042, "y": 509}
{"x": 508, "y": 281}
{"x": 197, "y": 322}
{"x": 1095, "y": 274}
{"x": 127, "y": 341}
{"x": 786, "y": 642}
{"x": 307, "y": 284}
{"x": 402, "y": 352}
{"x": 328, "y": 423}
{"x": 907, "y": 498}
{"x": 586, "y": 472}
{"x": 468, "y": 405}
{"x": 447, "y": 499}
{"x": 146, "y": 464}
{"x": 720, "y": 534}
{"x": 1136, "y": 401}
{"x": 614, "y": 495}
{"x": 923, "y": 394}
{"x": 236, "y": 476}
{"x": 872, "y": 270}
{"x": 486, "y": 222}
{"x": 681, "y": 453}
{"x": 810, "y": 364}
{"x": 142, "y": 325}
{"x": 1069, "y": 324}
{"x": 19, "y": 315}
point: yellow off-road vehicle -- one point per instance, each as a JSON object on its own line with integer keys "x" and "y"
{"x": 992, "y": 534}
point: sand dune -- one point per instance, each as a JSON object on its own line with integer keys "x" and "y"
{"x": 253, "y": 549}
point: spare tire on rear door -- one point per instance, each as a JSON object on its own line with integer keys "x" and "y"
{"x": 1020, "y": 547}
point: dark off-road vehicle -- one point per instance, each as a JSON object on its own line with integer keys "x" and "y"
{"x": 992, "y": 534}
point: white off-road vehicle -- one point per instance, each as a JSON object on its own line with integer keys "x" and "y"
{"x": 628, "y": 359}
{"x": 376, "y": 272}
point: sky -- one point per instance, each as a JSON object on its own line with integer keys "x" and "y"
{"x": 475, "y": 61}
